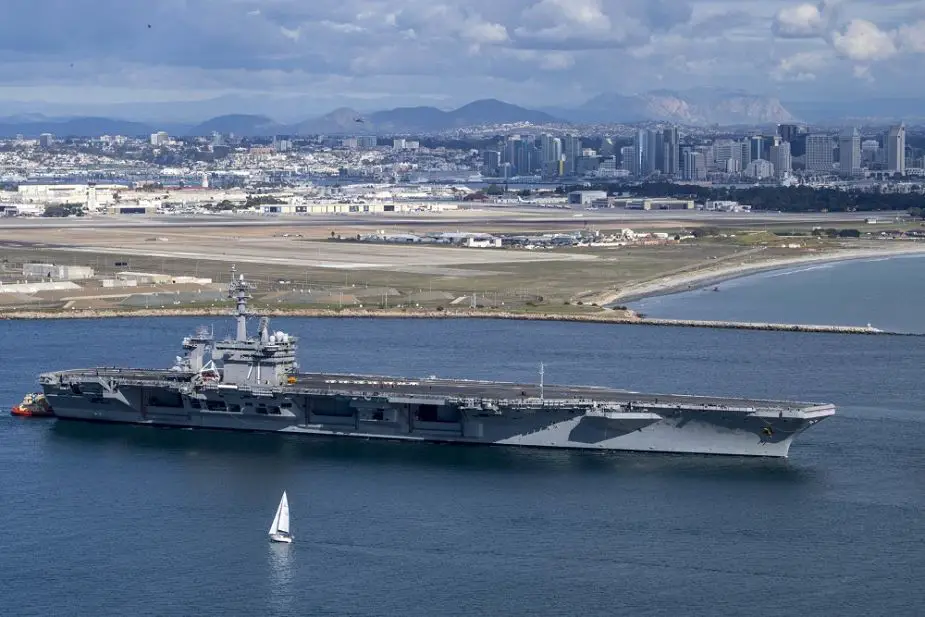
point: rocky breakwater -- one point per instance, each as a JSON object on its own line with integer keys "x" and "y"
{"x": 619, "y": 316}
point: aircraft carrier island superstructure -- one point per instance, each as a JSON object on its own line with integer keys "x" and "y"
{"x": 252, "y": 383}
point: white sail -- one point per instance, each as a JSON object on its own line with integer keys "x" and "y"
{"x": 280, "y": 522}
{"x": 274, "y": 526}
{"x": 282, "y": 516}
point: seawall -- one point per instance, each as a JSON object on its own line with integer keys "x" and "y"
{"x": 612, "y": 317}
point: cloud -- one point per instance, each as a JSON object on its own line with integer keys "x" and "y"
{"x": 801, "y": 21}
{"x": 862, "y": 41}
{"x": 802, "y": 66}
{"x": 562, "y": 21}
{"x": 911, "y": 38}
{"x": 533, "y": 52}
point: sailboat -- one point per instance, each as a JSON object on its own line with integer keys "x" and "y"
{"x": 279, "y": 529}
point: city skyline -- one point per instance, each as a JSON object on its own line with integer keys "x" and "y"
{"x": 399, "y": 52}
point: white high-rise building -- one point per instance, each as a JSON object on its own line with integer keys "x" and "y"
{"x": 781, "y": 159}
{"x": 849, "y": 153}
{"x": 819, "y": 152}
{"x": 759, "y": 169}
{"x": 896, "y": 149}
{"x": 628, "y": 159}
{"x": 725, "y": 150}
{"x": 694, "y": 166}
{"x": 161, "y": 138}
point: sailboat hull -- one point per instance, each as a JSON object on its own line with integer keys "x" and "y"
{"x": 278, "y": 537}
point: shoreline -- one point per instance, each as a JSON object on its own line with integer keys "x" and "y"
{"x": 699, "y": 279}
{"x": 614, "y": 317}
{"x": 608, "y": 313}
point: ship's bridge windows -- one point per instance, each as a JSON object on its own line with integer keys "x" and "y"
{"x": 274, "y": 410}
{"x": 234, "y": 408}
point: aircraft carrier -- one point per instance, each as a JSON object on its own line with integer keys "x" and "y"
{"x": 252, "y": 383}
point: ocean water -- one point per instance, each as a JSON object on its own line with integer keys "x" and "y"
{"x": 120, "y": 520}
{"x": 882, "y": 292}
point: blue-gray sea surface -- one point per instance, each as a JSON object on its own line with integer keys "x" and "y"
{"x": 120, "y": 520}
{"x": 885, "y": 293}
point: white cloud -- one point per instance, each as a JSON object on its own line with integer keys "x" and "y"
{"x": 800, "y": 21}
{"x": 483, "y": 32}
{"x": 564, "y": 20}
{"x": 461, "y": 48}
{"x": 863, "y": 72}
{"x": 291, "y": 34}
{"x": 802, "y": 66}
{"x": 863, "y": 41}
{"x": 911, "y": 38}
{"x": 557, "y": 61}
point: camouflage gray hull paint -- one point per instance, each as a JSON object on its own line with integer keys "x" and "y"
{"x": 252, "y": 384}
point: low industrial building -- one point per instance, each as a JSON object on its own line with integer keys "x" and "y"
{"x": 135, "y": 208}
{"x": 116, "y": 283}
{"x": 152, "y": 278}
{"x": 90, "y": 195}
{"x": 726, "y": 206}
{"x": 483, "y": 242}
{"x": 31, "y": 288}
{"x": 585, "y": 198}
{"x": 654, "y": 203}
{"x": 57, "y": 273}
{"x": 334, "y": 207}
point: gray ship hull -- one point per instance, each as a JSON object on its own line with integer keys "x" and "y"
{"x": 439, "y": 411}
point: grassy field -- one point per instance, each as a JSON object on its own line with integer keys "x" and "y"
{"x": 331, "y": 275}
{"x": 509, "y": 284}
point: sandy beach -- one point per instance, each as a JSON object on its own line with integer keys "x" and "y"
{"x": 712, "y": 276}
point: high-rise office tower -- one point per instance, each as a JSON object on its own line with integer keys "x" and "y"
{"x": 781, "y": 159}
{"x": 896, "y": 149}
{"x": 641, "y": 152}
{"x": 819, "y": 152}
{"x": 654, "y": 162}
{"x": 628, "y": 160}
{"x": 849, "y": 152}
{"x": 671, "y": 145}
{"x": 757, "y": 148}
{"x": 571, "y": 150}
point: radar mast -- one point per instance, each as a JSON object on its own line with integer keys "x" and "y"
{"x": 237, "y": 290}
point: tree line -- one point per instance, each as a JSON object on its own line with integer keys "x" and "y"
{"x": 783, "y": 198}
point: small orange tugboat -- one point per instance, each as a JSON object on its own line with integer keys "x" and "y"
{"x": 34, "y": 405}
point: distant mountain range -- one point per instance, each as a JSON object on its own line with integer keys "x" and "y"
{"x": 402, "y": 120}
{"x": 693, "y": 107}
{"x": 699, "y": 107}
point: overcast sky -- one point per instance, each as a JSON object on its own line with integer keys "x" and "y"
{"x": 447, "y": 52}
